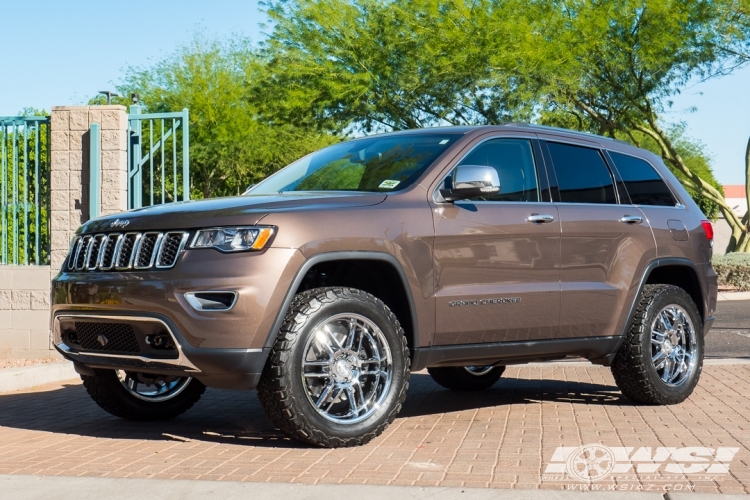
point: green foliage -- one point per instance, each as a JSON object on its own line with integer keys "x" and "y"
{"x": 619, "y": 62}
{"x": 20, "y": 185}
{"x": 606, "y": 67}
{"x": 413, "y": 63}
{"x": 613, "y": 63}
{"x": 733, "y": 270}
{"x": 229, "y": 147}
{"x": 374, "y": 64}
{"x": 332, "y": 67}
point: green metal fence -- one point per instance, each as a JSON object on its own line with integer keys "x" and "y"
{"x": 24, "y": 190}
{"x": 158, "y": 157}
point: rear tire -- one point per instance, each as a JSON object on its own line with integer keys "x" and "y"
{"x": 466, "y": 378}
{"x": 661, "y": 359}
{"x": 110, "y": 392}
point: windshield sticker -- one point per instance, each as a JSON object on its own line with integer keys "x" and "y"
{"x": 389, "y": 184}
{"x": 444, "y": 141}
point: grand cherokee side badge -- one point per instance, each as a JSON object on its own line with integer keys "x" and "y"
{"x": 484, "y": 302}
{"x": 120, "y": 223}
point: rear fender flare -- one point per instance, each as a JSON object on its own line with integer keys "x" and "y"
{"x": 669, "y": 261}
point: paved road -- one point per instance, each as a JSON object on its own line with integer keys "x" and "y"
{"x": 505, "y": 437}
{"x": 730, "y": 335}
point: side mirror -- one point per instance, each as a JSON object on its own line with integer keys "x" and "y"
{"x": 470, "y": 181}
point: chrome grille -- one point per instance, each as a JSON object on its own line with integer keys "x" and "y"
{"x": 108, "y": 252}
{"x": 144, "y": 256}
{"x": 125, "y": 256}
{"x": 105, "y": 252}
{"x": 81, "y": 247}
{"x": 92, "y": 252}
{"x": 171, "y": 245}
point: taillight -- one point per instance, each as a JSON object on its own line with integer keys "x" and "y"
{"x": 708, "y": 228}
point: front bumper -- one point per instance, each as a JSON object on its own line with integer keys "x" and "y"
{"x": 219, "y": 368}
{"x": 222, "y": 349}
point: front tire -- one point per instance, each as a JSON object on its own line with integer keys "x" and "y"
{"x": 339, "y": 369}
{"x": 661, "y": 359}
{"x": 466, "y": 378}
{"x": 140, "y": 396}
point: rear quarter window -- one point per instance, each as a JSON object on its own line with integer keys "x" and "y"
{"x": 644, "y": 185}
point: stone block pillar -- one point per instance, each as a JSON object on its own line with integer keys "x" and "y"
{"x": 24, "y": 290}
{"x": 70, "y": 169}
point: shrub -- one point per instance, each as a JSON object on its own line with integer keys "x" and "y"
{"x": 733, "y": 270}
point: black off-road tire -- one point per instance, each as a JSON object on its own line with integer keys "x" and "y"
{"x": 281, "y": 391}
{"x": 107, "y": 391}
{"x": 632, "y": 368}
{"x": 456, "y": 378}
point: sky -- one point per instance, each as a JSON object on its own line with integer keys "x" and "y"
{"x": 62, "y": 52}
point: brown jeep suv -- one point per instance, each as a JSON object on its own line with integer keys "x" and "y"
{"x": 460, "y": 250}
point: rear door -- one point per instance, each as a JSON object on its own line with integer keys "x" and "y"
{"x": 648, "y": 191}
{"x": 497, "y": 271}
{"x": 604, "y": 244}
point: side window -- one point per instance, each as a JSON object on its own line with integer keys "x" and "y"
{"x": 644, "y": 185}
{"x": 514, "y": 161}
{"x": 582, "y": 174}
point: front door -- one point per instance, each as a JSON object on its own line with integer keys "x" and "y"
{"x": 497, "y": 257}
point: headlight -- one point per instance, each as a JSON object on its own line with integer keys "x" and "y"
{"x": 233, "y": 239}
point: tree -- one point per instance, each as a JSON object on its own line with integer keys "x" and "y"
{"x": 608, "y": 67}
{"x": 388, "y": 65}
{"x": 619, "y": 62}
{"x": 230, "y": 147}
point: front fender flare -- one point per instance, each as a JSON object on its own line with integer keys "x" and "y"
{"x": 333, "y": 256}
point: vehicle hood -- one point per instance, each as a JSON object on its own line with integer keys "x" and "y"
{"x": 235, "y": 210}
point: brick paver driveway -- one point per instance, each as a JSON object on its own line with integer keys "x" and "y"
{"x": 501, "y": 438}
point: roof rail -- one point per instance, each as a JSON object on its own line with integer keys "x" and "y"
{"x": 566, "y": 130}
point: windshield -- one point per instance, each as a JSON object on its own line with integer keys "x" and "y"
{"x": 376, "y": 164}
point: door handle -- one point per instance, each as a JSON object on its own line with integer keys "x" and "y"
{"x": 631, "y": 219}
{"x": 539, "y": 219}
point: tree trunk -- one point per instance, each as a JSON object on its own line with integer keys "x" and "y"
{"x": 746, "y": 218}
{"x": 740, "y": 241}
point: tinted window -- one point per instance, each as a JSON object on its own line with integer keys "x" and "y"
{"x": 379, "y": 163}
{"x": 582, "y": 175}
{"x": 644, "y": 185}
{"x": 514, "y": 161}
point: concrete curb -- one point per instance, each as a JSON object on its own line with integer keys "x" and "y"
{"x": 26, "y": 377}
{"x": 733, "y": 296}
{"x": 94, "y": 488}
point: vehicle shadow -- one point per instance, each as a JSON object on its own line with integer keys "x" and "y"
{"x": 238, "y": 418}
{"x": 425, "y": 397}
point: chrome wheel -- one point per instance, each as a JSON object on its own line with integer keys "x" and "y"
{"x": 673, "y": 345}
{"x": 478, "y": 371}
{"x": 152, "y": 388}
{"x": 347, "y": 368}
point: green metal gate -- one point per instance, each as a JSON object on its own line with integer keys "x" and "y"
{"x": 158, "y": 157}
{"x": 24, "y": 190}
